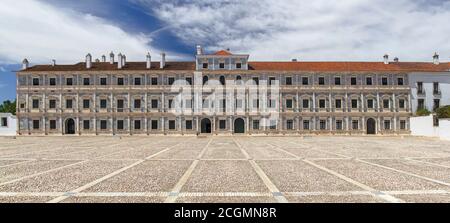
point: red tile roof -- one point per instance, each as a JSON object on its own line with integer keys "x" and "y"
{"x": 223, "y": 53}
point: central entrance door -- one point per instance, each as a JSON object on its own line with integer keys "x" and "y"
{"x": 70, "y": 126}
{"x": 239, "y": 125}
{"x": 206, "y": 125}
{"x": 371, "y": 128}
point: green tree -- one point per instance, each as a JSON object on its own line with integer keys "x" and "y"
{"x": 443, "y": 112}
{"x": 422, "y": 112}
{"x": 8, "y": 107}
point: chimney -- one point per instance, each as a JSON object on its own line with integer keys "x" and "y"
{"x": 163, "y": 60}
{"x": 88, "y": 61}
{"x": 124, "y": 60}
{"x": 103, "y": 58}
{"x": 119, "y": 61}
{"x": 199, "y": 50}
{"x": 386, "y": 59}
{"x": 111, "y": 58}
{"x": 436, "y": 59}
{"x": 53, "y": 63}
{"x": 396, "y": 59}
{"x": 25, "y": 64}
{"x": 149, "y": 61}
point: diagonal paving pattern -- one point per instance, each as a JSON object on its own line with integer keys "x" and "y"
{"x": 224, "y": 169}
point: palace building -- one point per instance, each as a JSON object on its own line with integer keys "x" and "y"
{"x": 139, "y": 98}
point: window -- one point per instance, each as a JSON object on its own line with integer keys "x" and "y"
{"x": 205, "y": 80}
{"x": 436, "y": 104}
{"x": 289, "y": 103}
{"x": 401, "y": 103}
{"x": 256, "y": 103}
{"x": 137, "y": 103}
{"x": 154, "y": 81}
{"x": 120, "y": 124}
{"x": 305, "y": 103}
{"x": 188, "y": 103}
{"x": 321, "y": 103}
{"x": 69, "y": 81}
{"x": 120, "y": 104}
{"x": 272, "y": 103}
{"x": 353, "y": 81}
{"x": 171, "y": 124}
{"x": 4, "y": 122}
{"x": 103, "y": 103}
{"x": 36, "y": 124}
{"x": 238, "y": 78}
{"x": 238, "y": 103}
{"x": 103, "y": 81}
{"x": 222, "y": 124}
{"x": 86, "y": 81}
{"x": 305, "y": 124}
{"x": 189, "y": 80}
{"x": 386, "y": 103}
{"x": 305, "y": 80}
{"x": 321, "y": 81}
{"x": 288, "y": 80}
{"x": 337, "y": 81}
{"x": 189, "y": 124}
{"x": 120, "y": 81}
{"x": 436, "y": 88}
{"x": 370, "y": 103}
{"x": 171, "y": 80}
{"x": 368, "y": 81}
{"x": 86, "y": 103}
{"x": 338, "y": 124}
{"x": 273, "y": 124}
{"x": 221, "y": 65}
{"x": 52, "y": 104}
{"x": 52, "y": 81}
{"x": 154, "y": 103}
{"x": 400, "y": 81}
{"x": 222, "y": 80}
{"x": 103, "y": 125}
{"x": 384, "y": 81}
{"x": 137, "y": 124}
{"x": 387, "y": 124}
{"x": 35, "y": 81}
{"x": 420, "y": 87}
{"x": 435, "y": 121}
{"x": 52, "y": 124}
{"x": 22, "y": 105}
{"x": 255, "y": 124}
{"x": 355, "y": 124}
{"x": 137, "y": 81}
{"x": 323, "y": 124}
{"x": 402, "y": 124}
{"x": 338, "y": 103}
{"x": 69, "y": 103}
{"x": 256, "y": 80}
{"x": 421, "y": 104}
{"x": 35, "y": 103}
{"x": 289, "y": 124}
{"x": 238, "y": 66}
{"x": 205, "y": 66}
{"x": 86, "y": 124}
{"x": 354, "y": 103}
{"x": 170, "y": 103}
{"x": 271, "y": 80}
{"x": 154, "y": 124}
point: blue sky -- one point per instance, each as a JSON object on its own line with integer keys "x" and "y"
{"x": 355, "y": 30}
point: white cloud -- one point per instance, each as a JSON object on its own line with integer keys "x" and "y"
{"x": 312, "y": 30}
{"x": 41, "y": 32}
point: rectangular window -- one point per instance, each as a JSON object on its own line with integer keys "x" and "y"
{"x": 338, "y": 124}
{"x": 421, "y": 104}
{"x": 256, "y": 103}
{"x": 52, "y": 81}
{"x": 323, "y": 124}
{"x": 370, "y": 103}
{"x": 35, "y": 81}
{"x": 305, "y": 124}
{"x": 154, "y": 81}
{"x": 289, "y": 124}
{"x": 436, "y": 88}
{"x": 154, "y": 104}
{"x": 35, "y": 103}
{"x": 189, "y": 80}
{"x": 387, "y": 124}
{"x": 170, "y": 103}
{"x": 103, "y": 81}
{"x": 401, "y": 103}
{"x": 400, "y": 81}
{"x": 288, "y": 80}
{"x": 368, "y": 81}
{"x": 52, "y": 104}
{"x": 120, "y": 81}
{"x": 353, "y": 81}
{"x": 256, "y": 80}
{"x": 120, "y": 104}
{"x": 355, "y": 124}
{"x": 137, "y": 103}
{"x": 120, "y": 124}
{"x": 189, "y": 124}
{"x": 255, "y": 124}
{"x": 338, "y": 103}
{"x": 52, "y": 124}
{"x": 4, "y": 122}
{"x": 354, "y": 103}
{"x": 86, "y": 81}
{"x": 305, "y": 103}
{"x": 137, "y": 81}
{"x": 436, "y": 104}
{"x": 103, "y": 124}
{"x": 205, "y": 66}
{"x": 239, "y": 103}
{"x": 271, "y": 80}
{"x": 103, "y": 103}
{"x": 172, "y": 124}
{"x": 305, "y": 80}
{"x": 289, "y": 103}
{"x": 402, "y": 124}
{"x": 273, "y": 124}
{"x": 386, "y": 103}
{"x": 238, "y": 65}
{"x": 69, "y": 81}
{"x": 69, "y": 103}
{"x": 171, "y": 80}
{"x": 36, "y": 124}
{"x": 384, "y": 81}
{"x": 137, "y": 124}
{"x": 321, "y": 80}
{"x": 321, "y": 103}
{"x": 86, "y": 124}
{"x": 22, "y": 105}
{"x": 222, "y": 124}
{"x": 221, "y": 65}
{"x": 337, "y": 81}
{"x": 420, "y": 87}
{"x": 188, "y": 103}
{"x": 86, "y": 103}
{"x": 154, "y": 124}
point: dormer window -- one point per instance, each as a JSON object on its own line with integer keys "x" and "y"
{"x": 205, "y": 65}
{"x": 238, "y": 66}
{"x": 221, "y": 65}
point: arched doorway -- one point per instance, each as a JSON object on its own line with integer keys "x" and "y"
{"x": 371, "y": 126}
{"x": 206, "y": 126}
{"x": 70, "y": 126}
{"x": 239, "y": 125}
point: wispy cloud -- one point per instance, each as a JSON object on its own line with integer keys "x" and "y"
{"x": 2, "y": 69}
{"x": 311, "y": 30}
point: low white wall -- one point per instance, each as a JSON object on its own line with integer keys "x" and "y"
{"x": 11, "y": 129}
{"x": 423, "y": 126}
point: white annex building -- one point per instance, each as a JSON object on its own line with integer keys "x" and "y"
{"x": 8, "y": 124}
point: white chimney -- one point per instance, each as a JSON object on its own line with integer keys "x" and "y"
{"x": 53, "y": 63}
{"x": 149, "y": 61}
{"x": 436, "y": 59}
{"x": 163, "y": 60}
{"x": 124, "y": 60}
{"x": 111, "y": 58}
{"x": 199, "y": 50}
{"x": 119, "y": 61}
{"x": 396, "y": 59}
{"x": 386, "y": 59}
{"x": 103, "y": 58}
{"x": 25, "y": 64}
{"x": 88, "y": 61}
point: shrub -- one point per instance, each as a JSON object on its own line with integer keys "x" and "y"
{"x": 443, "y": 112}
{"x": 422, "y": 112}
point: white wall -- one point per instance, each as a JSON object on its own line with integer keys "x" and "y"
{"x": 11, "y": 129}
{"x": 443, "y": 78}
{"x": 423, "y": 126}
